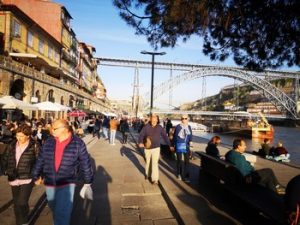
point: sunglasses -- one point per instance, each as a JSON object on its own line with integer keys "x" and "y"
{"x": 184, "y": 118}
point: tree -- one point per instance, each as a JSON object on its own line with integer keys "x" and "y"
{"x": 258, "y": 34}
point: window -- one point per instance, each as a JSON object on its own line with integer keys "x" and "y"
{"x": 56, "y": 57}
{"x": 50, "y": 52}
{"x": 16, "y": 29}
{"x": 30, "y": 39}
{"x": 41, "y": 46}
{"x": 50, "y": 96}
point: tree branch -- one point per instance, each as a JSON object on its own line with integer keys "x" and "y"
{"x": 133, "y": 14}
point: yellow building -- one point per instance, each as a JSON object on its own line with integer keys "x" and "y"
{"x": 38, "y": 41}
{"x": 87, "y": 67}
{"x": 69, "y": 60}
{"x": 27, "y": 42}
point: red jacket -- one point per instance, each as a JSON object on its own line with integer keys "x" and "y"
{"x": 280, "y": 151}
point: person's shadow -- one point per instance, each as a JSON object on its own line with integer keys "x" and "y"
{"x": 130, "y": 154}
{"x": 96, "y": 211}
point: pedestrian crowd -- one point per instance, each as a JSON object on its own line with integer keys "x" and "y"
{"x": 52, "y": 153}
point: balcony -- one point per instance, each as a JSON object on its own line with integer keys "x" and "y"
{"x": 66, "y": 56}
{"x": 23, "y": 70}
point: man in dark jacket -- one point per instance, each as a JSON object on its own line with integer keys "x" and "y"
{"x": 58, "y": 164}
{"x": 151, "y": 133}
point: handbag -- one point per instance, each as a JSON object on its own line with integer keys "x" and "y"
{"x": 181, "y": 147}
{"x": 147, "y": 142}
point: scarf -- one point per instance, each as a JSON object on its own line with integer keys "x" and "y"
{"x": 184, "y": 132}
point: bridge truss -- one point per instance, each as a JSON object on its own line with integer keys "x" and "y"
{"x": 283, "y": 102}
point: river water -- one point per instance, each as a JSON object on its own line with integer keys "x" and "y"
{"x": 290, "y": 137}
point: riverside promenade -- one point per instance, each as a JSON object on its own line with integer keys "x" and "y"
{"x": 122, "y": 195}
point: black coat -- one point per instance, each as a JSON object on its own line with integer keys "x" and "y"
{"x": 25, "y": 166}
{"x": 45, "y": 135}
{"x": 212, "y": 150}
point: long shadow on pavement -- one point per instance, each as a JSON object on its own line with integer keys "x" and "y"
{"x": 97, "y": 211}
{"x": 130, "y": 154}
{"x": 212, "y": 195}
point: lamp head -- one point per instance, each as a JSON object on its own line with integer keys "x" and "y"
{"x": 152, "y": 53}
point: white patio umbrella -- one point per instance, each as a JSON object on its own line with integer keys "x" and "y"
{"x": 111, "y": 114}
{"x": 48, "y": 106}
{"x": 63, "y": 107}
{"x": 9, "y": 102}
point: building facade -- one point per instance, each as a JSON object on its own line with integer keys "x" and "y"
{"x": 41, "y": 59}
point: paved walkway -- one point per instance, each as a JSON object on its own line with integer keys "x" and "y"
{"x": 200, "y": 202}
{"x": 123, "y": 197}
{"x": 121, "y": 194}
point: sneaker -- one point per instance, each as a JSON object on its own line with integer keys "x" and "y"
{"x": 179, "y": 177}
{"x": 155, "y": 182}
{"x": 186, "y": 180}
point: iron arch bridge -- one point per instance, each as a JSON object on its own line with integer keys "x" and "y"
{"x": 282, "y": 101}
{"x": 193, "y": 71}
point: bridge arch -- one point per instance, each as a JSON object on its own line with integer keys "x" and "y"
{"x": 282, "y": 101}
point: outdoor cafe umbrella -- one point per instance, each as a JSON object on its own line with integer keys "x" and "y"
{"x": 110, "y": 114}
{"x": 48, "y": 106}
{"x": 9, "y": 102}
{"x": 77, "y": 113}
{"x": 63, "y": 107}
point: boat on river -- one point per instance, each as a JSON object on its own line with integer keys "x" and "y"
{"x": 247, "y": 127}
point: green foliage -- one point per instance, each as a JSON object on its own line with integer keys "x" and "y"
{"x": 258, "y": 34}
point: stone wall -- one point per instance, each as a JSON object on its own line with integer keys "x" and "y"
{"x": 32, "y": 86}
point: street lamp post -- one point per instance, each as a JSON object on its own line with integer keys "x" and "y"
{"x": 153, "y": 54}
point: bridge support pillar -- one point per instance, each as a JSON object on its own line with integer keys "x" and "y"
{"x": 297, "y": 90}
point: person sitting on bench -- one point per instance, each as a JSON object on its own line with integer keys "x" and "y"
{"x": 211, "y": 148}
{"x": 264, "y": 177}
{"x": 265, "y": 148}
{"x": 279, "y": 153}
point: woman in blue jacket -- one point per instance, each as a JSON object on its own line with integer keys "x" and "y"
{"x": 182, "y": 141}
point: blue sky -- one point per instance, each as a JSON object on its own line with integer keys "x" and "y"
{"x": 98, "y": 23}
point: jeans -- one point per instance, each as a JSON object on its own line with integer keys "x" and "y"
{"x": 21, "y": 196}
{"x": 105, "y": 132}
{"x": 96, "y": 132}
{"x": 112, "y": 136}
{"x": 266, "y": 178}
{"x": 60, "y": 201}
{"x": 182, "y": 164}
{"x": 124, "y": 135}
{"x": 152, "y": 155}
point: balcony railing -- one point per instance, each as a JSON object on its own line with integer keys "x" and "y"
{"x": 23, "y": 70}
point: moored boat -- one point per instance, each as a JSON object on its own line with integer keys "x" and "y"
{"x": 263, "y": 132}
{"x": 246, "y": 127}
{"x": 262, "y": 129}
